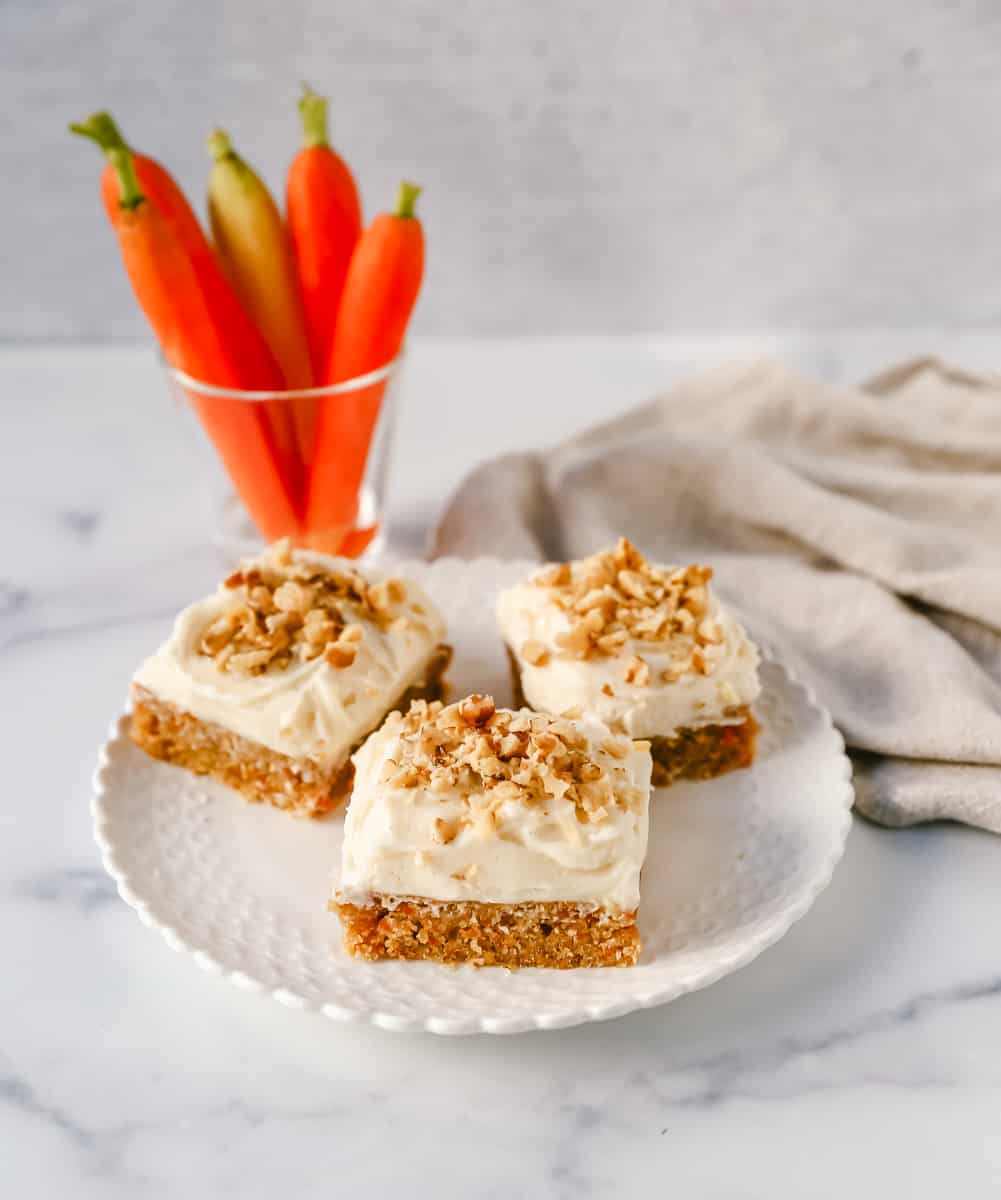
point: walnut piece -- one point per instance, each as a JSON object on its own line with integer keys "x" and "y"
{"x": 340, "y": 654}
{"x": 476, "y": 709}
{"x": 535, "y": 654}
{"x": 638, "y": 672}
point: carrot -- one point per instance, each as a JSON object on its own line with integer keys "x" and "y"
{"x": 356, "y": 542}
{"x": 379, "y": 294}
{"x": 324, "y": 221}
{"x": 155, "y": 181}
{"x": 254, "y": 247}
{"x": 179, "y": 309}
{"x": 259, "y": 370}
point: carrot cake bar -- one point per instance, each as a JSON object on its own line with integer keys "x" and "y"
{"x": 496, "y": 838}
{"x": 270, "y": 683}
{"x": 647, "y": 649}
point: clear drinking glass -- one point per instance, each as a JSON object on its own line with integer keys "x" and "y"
{"x": 311, "y": 465}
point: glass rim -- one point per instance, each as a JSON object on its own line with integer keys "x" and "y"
{"x": 379, "y": 375}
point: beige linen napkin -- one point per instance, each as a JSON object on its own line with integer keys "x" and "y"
{"x": 859, "y": 530}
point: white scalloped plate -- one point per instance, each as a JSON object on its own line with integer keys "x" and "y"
{"x": 732, "y": 863}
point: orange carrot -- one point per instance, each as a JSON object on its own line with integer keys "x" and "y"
{"x": 156, "y": 183}
{"x": 178, "y": 307}
{"x": 355, "y": 542}
{"x": 253, "y": 243}
{"x": 324, "y": 221}
{"x": 258, "y": 369}
{"x": 380, "y": 291}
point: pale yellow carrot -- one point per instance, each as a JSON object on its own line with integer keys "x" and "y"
{"x": 253, "y": 244}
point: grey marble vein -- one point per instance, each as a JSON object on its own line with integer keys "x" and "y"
{"x": 25, "y": 633}
{"x": 83, "y": 524}
{"x": 13, "y": 599}
{"x": 84, "y": 889}
{"x": 732, "y": 1073}
{"x": 17, "y": 1092}
{"x": 103, "y": 1150}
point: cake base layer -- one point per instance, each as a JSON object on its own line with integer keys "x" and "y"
{"x": 257, "y": 773}
{"x": 704, "y": 752}
{"x": 301, "y": 786}
{"x": 699, "y": 752}
{"x": 561, "y": 934}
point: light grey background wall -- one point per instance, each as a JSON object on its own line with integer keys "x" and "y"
{"x": 588, "y": 165}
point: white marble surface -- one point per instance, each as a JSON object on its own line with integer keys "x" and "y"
{"x": 861, "y": 1056}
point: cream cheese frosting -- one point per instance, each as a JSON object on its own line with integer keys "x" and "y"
{"x": 471, "y": 832}
{"x": 316, "y": 708}
{"x": 701, "y": 671}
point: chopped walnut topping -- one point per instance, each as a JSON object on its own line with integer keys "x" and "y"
{"x": 295, "y": 610}
{"x": 702, "y": 665}
{"x": 340, "y": 654}
{"x": 290, "y": 597}
{"x": 389, "y": 594}
{"x": 612, "y": 642}
{"x": 710, "y": 633}
{"x": 638, "y": 672}
{"x": 535, "y": 654}
{"x": 249, "y": 661}
{"x": 476, "y": 709}
{"x": 281, "y": 552}
{"x": 395, "y": 775}
{"x": 685, "y": 621}
{"x": 633, "y": 584}
{"x": 557, "y": 575}
{"x": 445, "y": 831}
{"x": 617, "y": 595}
{"x": 493, "y": 756}
{"x": 575, "y": 642}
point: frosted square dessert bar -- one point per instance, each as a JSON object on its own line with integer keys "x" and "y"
{"x": 647, "y": 649}
{"x": 269, "y": 683}
{"x": 492, "y": 837}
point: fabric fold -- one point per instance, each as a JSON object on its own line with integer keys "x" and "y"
{"x": 854, "y": 528}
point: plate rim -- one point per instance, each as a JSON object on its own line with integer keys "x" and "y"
{"x": 463, "y": 1026}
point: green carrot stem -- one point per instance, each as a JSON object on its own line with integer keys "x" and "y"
{"x": 406, "y": 198}
{"x": 130, "y": 194}
{"x": 101, "y": 128}
{"x": 220, "y": 146}
{"x": 314, "y": 117}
